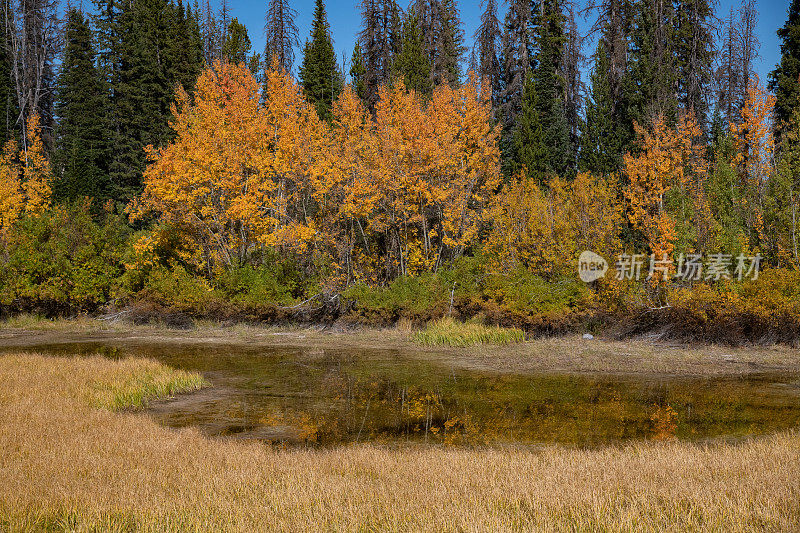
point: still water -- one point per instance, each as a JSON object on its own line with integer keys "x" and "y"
{"x": 316, "y": 397}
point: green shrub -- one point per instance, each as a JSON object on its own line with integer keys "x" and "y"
{"x": 62, "y": 261}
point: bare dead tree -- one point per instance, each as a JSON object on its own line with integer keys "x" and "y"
{"x": 35, "y": 40}
{"x": 281, "y": 34}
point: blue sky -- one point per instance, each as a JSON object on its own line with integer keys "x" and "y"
{"x": 345, "y": 22}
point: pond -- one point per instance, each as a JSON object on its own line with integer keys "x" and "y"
{"x": 320, "y": 397}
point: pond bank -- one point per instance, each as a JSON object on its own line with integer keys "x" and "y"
{"x": 563, "y": 355}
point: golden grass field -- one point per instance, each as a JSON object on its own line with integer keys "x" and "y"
{"x": 67, "y": 464}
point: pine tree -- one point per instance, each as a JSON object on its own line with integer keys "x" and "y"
{"x": 83, "y": 148}
{"x": 784, "y": 79}
{"x": 607, "y": 130}
{"x": 487, "y": 41}
{"x": 651, "y": 76}
{"x": 607, "y": 133}
{"x": 694, "y": 48}
{"x": 9, "y": 110}
{"x": 319, "y": 72}
{"x": 358, "y": 72}
{"x": 236, "y": 48}
{"x": 411, "y": 64}
{"x": 380, "y": 41}
{"x": 281, "y": 34}
{"x": 449, "y": 45}
{"x": 542, "y": 142}
{"x": 515, "y": 62}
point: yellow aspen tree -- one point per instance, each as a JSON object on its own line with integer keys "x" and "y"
{"x": 754, "y": 157}
{"x": 237, "y": 172}
{"x": 24, "y": 178}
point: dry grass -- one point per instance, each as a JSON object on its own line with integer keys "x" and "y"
{"x": 449, "y": 332}
{"x": 65, "y": 465}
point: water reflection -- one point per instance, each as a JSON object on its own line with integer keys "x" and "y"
{"x": 321, "y": 397}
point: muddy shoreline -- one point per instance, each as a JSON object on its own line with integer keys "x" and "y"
{"x": 564, "y": 354}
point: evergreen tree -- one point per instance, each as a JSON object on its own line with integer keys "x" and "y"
{"x": 449, "y": 48}
{"x": 411, "y": 64}
{"x": 380, "y": 41}
{"x": 281, "y": 34}
{"x": 83, "y": 148}
{"x": 236, "y": 48}
{"x": 487, "y": 41}
{"x": 651, "y": 76}
{"x": 542, "y": 141}
{"x": 8, "y": 96}
{"x": 784, "y": 79}
{"x": 515, "y": 64}
{"x": 319, "y": 72}
{"x": 607, "y": 129}
{"x": 607, "y": 132}
{"x": 358, "y": 72}
{"x": 694, "y": 48}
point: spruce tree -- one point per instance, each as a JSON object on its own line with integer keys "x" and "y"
{"x": 651, "y": 77}
{"x": 8, "y": 97}
{"x": 411, "y": 64}
{"x": 358, "y": 72}
{"x": 449, "y": 44}
{"x": 319, "y": 72}
{"x": 607, "y": 129}
{"x": 542, "y": 141}
{"x": 784, "y": 79}
{"x": 236, "y": 47}
{"x": 487, "y": 41}
{"x": 83, "y": 148}
{"x": 694, "y": 48}
{"x": 380, "y": 41}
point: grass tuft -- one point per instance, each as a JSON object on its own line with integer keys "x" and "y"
{"x": 446, "y": 331}
{"x": 150, "y": 381}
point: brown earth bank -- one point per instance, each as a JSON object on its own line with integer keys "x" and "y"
{"x": 554, "y": 354}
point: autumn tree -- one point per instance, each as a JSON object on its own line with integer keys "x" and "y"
{"x": 666, "y": 190}
{"x": 546, "y": 228}
{"x": 754, "y": 156}
{"x": 24, "y": 178}
{"x": 237, "y": 175}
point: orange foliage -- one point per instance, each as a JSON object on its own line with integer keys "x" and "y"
{"x": 24, "y": 178}
{"x": 546, "y": 230}
{"x": 238, "y": 171}
{"x": 671, "y": 159}
{"x": 755, "y": 154}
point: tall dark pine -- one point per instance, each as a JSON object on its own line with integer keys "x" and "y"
{"x": 694, "y": 54}
{"x": 319, "y": 72}
{"x": 449, "y": 44}
{"x": 412, "y": 64}
{"x": 570, "y": 70}
{"x": 542, "y": 141}
{"x": 280, "y": 31}
{"x": 380, "y": 41}
{"x": 607, "y": 129}
{"x": 236, "y": 47}
{"x": 83, "y": 134}
{"x": 358, "y": 72}
{"x": 487, "y": 41}
{"x": 515, "y": 63}
{"x": 784, "y": 79}
{"x": 651, "y": 76}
